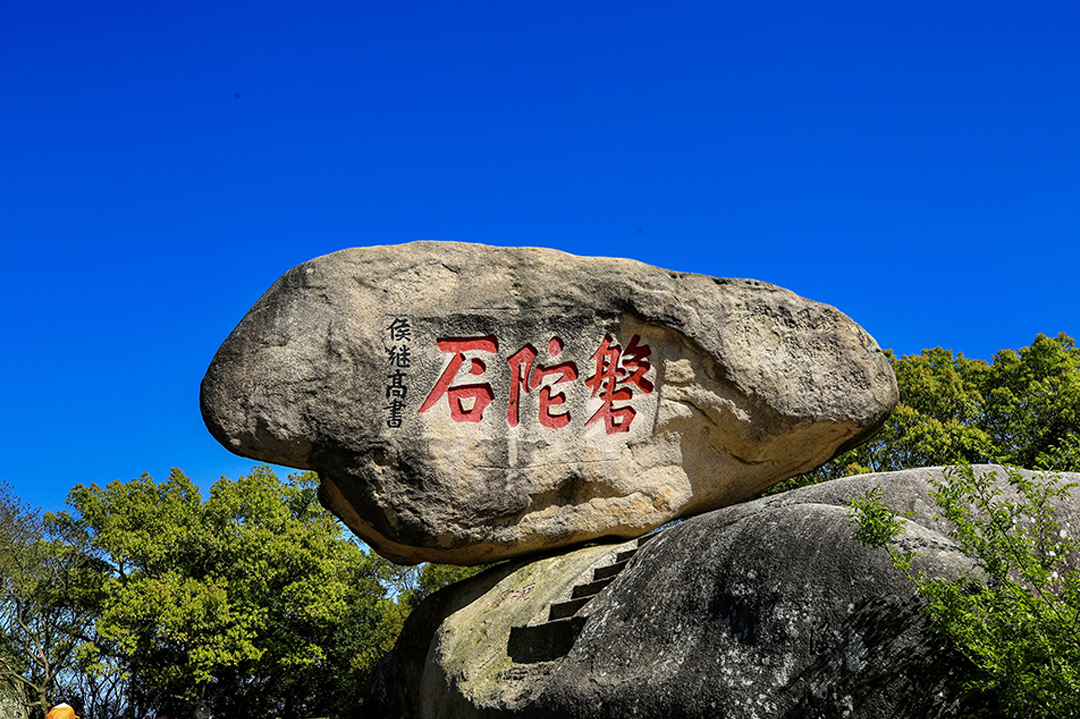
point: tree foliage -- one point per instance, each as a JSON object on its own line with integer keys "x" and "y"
{"x": 146, "y": 596}
{"x": 42, "y": 619}
{"x": 253, "y": 599}
{"x": 1019, "y": 622}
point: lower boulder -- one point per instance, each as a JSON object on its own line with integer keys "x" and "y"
{"x": 766, "y": 609}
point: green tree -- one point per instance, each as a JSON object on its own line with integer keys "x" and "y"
{"x": 1063, "y": 456}
{"x": 42, "y": 623}
{"x": 253, "y": 599}
{"x": 414, "y": 584}
{"x": 1033, "y": 398}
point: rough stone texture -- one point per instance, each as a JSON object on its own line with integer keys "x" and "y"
{"x": 766, "y": 609}
{"x": 743, "y": 384}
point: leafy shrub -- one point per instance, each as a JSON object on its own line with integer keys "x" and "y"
{"x": 1019, "y": 623}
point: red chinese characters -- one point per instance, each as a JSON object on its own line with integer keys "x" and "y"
{"x": 521, "y": 365}
{"x": 459, "y": 396}
{"x": 618, "y": 371}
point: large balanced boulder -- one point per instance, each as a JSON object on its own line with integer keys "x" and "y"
{"x": 766, "y": 609}
{"x": 464, "y": 403}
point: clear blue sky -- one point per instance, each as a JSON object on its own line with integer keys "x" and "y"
{"x": 915, "y": 164}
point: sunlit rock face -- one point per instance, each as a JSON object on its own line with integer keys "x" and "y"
{"x": 465, "y": 403}
{"x": 769, "y": 608}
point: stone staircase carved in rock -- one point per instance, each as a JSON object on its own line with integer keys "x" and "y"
{"x": 553, "y": 638}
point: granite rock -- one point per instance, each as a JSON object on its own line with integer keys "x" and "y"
{"x": 764, "y": 609}
{"x": 464, "y": 403}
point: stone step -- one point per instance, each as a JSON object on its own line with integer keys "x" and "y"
{"x": 544, "y": 642}
{"x": 588, "y": 590}
{"x": 559, "y": 610}
{"x": 609, "y": 571}
{"x": 554, "y": 638}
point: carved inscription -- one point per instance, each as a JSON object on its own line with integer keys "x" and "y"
{"x": 399, "y": 360}
{"x": 511, "y": 595}
{"x": 467, "y": 401}
{"x": 616, "y": 374}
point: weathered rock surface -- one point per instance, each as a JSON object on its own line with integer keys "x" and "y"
{"x": 766, "y": 609}
{"x": 465, "y": 403}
